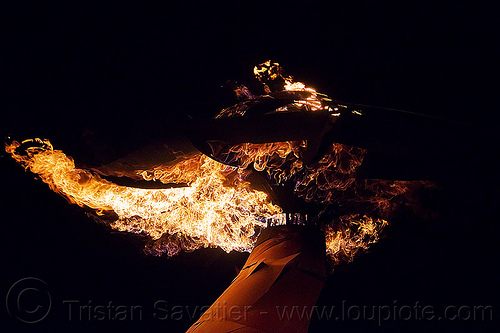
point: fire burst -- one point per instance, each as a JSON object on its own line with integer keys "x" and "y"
{"x": 218, "y": 206}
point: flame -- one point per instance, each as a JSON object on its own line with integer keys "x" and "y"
{"x": 312, "y": 102}
{"x": 270, "y": 75}
{"x": 184, "y": 171}
{"x": 310, "y": 99}
{"x": 280, "y": 160}
{"x": 207, "y": 211}
{"x": 353, "y": 234}
{"x": 333, "y": 174}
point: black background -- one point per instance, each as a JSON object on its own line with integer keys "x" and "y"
{"x": 122, "y": 72}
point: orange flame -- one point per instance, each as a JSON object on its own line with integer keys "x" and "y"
{"x": 310, "y": 99}
{"x": 280, "y": 160}
{"x": 210, "y": 212}
{"x": 355, "y": 234}
{"x": 334, "y": 173}
{"x": 206, "y": 213}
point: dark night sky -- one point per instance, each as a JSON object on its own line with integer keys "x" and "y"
{"x": 125, "y": 72}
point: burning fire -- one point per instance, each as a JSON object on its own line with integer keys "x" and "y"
{"x": 207, "y": 210}
{"x": 218, "y": 208}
